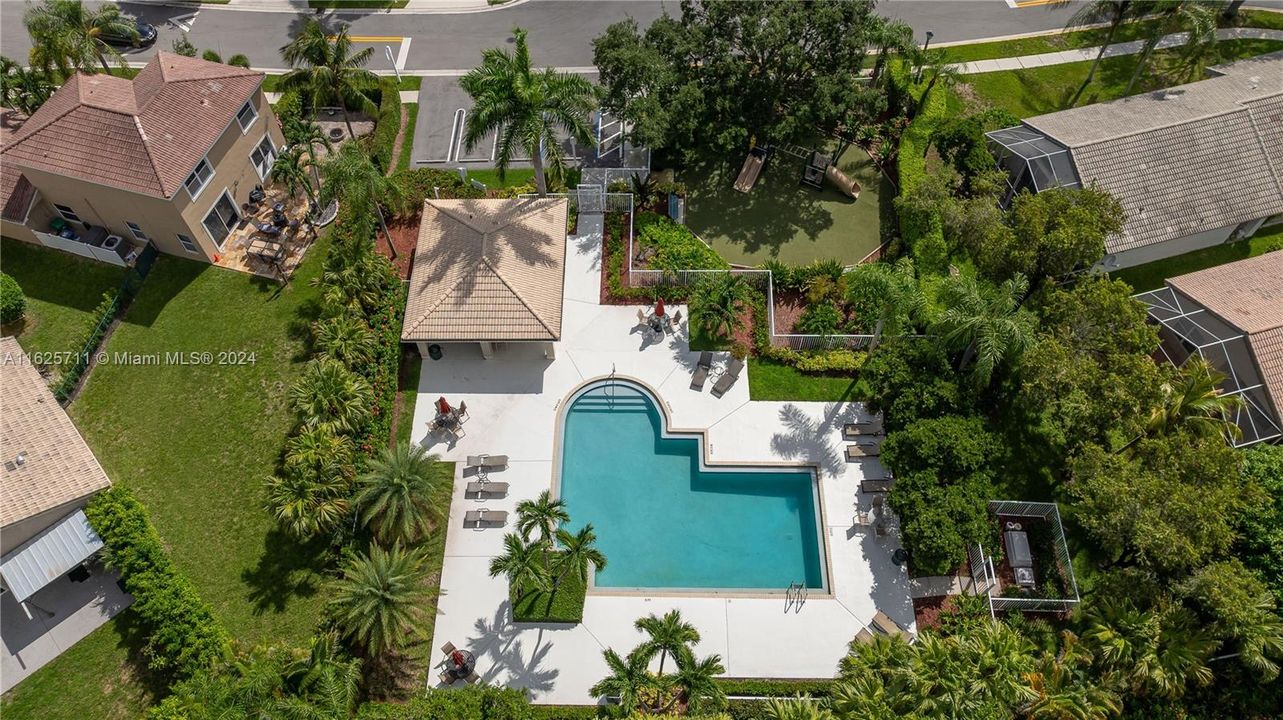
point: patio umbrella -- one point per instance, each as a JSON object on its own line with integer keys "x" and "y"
{"x": 659, "y": 307}
{"x": 443, "y": 407}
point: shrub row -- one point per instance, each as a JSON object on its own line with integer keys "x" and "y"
{"x": 759, "y": 687}
{"x": 422, "y": 183}
{"x": 183, "y": 635}
{"x": 13, "y": 303}
{"x": 387, "y": 125}
{"x": 922, "y": 233}
{"x": 475, "y": 702}
{"x": 87, "y": 345}
{"x": 676, "y": 247}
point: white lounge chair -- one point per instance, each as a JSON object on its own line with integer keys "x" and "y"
{"x": 488, "y": 462}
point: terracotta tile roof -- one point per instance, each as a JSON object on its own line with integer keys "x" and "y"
{"x": 1267, "y": 346}
{"x": 59, "y": 467}
{"x": 143, "y": 135}
{"x": 488, "y": 270}
{"x": 15, "y": 190}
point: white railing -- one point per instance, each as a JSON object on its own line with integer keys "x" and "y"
{"x": 79, "y": 248}
{"x": 985, "y": 580}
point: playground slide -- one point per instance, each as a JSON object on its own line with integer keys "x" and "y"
{"x": 842, "y": 182}
{"x": 750, "y": 170}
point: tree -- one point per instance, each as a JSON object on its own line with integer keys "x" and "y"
{"x": 1094, "y": 13}
{"x": 885, "y": 298}
{"x": 526, "y": 108}
{"x": 911, "y": 379}
{"x": 695, "y": 680}
{"x": 665, "y": 636}
{"x": 329, "y": 394}
{"x": 1242, "y": 614}
{"x": 541, "y": 517}
{"x": 1259, "y": 541}
{"x": 68, "y": 35}
{"x": 718, "y": 304}
{"x": 290, "y": 170}
{"x": 327, "y": 71}
{"x": 23, "y": 89}
{"x": 892, "y": 37}
{"x": 522, "y": 563}
{"x": 182, "y": 46}
{"x": 346, "y": 338}
{"x": 985, "y": 322}
{"x": 239, "y": 60}
{"x": 627, "y": 681}
{"x": 396, "y": 497}
{"x": 1192, "y": 399}
{"x": 307, "y": 506}
{"x": 578, "y": 551}
{"x": 1156, "y": 652}
{"x": 1064, "y": 687}
{"x": 350, "y": 175}
{"x": 310, "y": 136}
{"x": 796, "y": 709}
{"x": 379, "y": 598}
{"x": 1190, "y": 16}
{"x": 1052, "y": 234}
{"x": 940, "y": 71}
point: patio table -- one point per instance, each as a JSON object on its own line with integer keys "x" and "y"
{"x": 459, "y": 672}
{"x": 266, "y": 249}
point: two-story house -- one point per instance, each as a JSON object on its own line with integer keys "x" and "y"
{"x": 108, "y": 165}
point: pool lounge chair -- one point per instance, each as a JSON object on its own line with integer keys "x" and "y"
{"x": 853, "y": 431}
{"x": 883, "y": 623}
{"x": 876, "y": 486}
{"x": 701, "y": 370}
{"x": 856, "y": 452}
{"x": 863, "y": 637}
{"x": 728, "y": 378}
{"x": 479, "y": 518}
{"x": 488, "y": 462}
{"x": 480, "y": 489}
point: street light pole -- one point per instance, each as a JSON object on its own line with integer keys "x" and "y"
{"x": 925, "y": 45}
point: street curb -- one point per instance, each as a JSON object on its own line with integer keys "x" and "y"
{"x": 285, "y": 8}
{"x": 1062, "y": 31}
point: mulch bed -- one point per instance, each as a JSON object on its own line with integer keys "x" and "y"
{"x": 789, "y": 305}
{"x": 927, "y": 610}
{"x": 405, "y": 237}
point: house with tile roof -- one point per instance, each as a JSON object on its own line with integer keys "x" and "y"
{"x": 1232, "y": 316}
{"x": 108, "y": 165}
{"x": 488, "y": 272}
{"x": 1193, "y": 166}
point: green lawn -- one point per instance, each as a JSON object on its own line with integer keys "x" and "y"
{"x": 780, "y": 218}
{"x": 95, "y": 678}
{"x": 407, "y": 142}
{"x": 433, "y": 549}
{"x": 1151, "y": 275}
{"x": 564, "y": 604}
{"x": 195, "y": 442}
{"x": 512, "y": 178}
{"x": 407, "y": 394}
{"x": 58, "y": 312}
{"x": 272, "y": 83}
{"x": 769, "y": 380}
{"x": 1034, "y": 91}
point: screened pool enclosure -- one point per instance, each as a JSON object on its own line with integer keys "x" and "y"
{"x": 1032, "y": 161}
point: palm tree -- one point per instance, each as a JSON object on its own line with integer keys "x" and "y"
{"x": 1155, "y": 652}
{"x": 888, "y": 295}
{"x": 892, "y": 37}
{"x": 719, "y": 302}
{"x": 396, "y": 494}
{"x": 309, "y": 136}
{"x": 330, "y": 394}
{"x": 525, "y": 107}
{"x": 318, "y": 452}
{"x": 239, "y": 60}
{"x": 353, "y": 177}
{"x": 667, "y": 635}
{"x": 307, "y": 506}
{"x": 327, "y": 71}
{"x": 1114, "y": 12}
{"x": 985, "y": 322}
{"x": 942, "y": 73}
{"x": 541, "y": 517}
{"x": 627, "y": 681}
{"x": 578, "y": 551}
{"x": 23, "y": 89}
{"x": 67, "y": 35}
{"x": 1193, "y": 400}
{"x": 1196, "y": 18}
{"x": 798, "y": 708}
{"x": 290, "y": 170}
{"x": 378, "y": 600}
{"x": 521, "y": 564}
{"x": 1064, "y": 688}
{"x": 346, "y": 338}
{"x": 696, "y": 681}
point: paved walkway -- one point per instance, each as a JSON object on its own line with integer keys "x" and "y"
{"x": 937, "y": 585}
{"x": 1116, "y": 50}
{"x": 413, "y": 7}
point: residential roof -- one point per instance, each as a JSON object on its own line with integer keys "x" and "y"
{"x": 488, "y": 270}
{"x": 1247, "y": 294}
{"x": 1185, "y": 159}
{"x": 49, "y": 555}
{"x": 144, "y": 135}
{"x": 58, "y": 467}
{"x": 16, "y": 191}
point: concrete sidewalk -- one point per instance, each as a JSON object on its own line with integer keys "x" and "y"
{"x": 413, "y": 7}
{"x": 1118, "y": 49}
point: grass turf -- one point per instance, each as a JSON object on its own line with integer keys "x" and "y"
{"x": 769, "y": 380}
{"x": 1151, "y": 275}
{"x": 512, "y": 178}
{"x": 196, "y": 441}
{"x": 781, "y": 219}
{"x": 565, "y": 604}
{"x": 407, "y": 394}
{"x": 356, "y": 4}
{"x": 58, "y": 312}
{"x": 407, "y": 142}
{"x": 1035, "y": 91}
{"x": 272, "y": 83}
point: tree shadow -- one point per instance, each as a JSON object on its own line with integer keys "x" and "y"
{"x": 131, "y": 636}
{"x": 286, "y": 570}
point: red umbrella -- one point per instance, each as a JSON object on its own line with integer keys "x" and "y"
{"x": 443, "y": 407}
{"x": 659, "y": 307}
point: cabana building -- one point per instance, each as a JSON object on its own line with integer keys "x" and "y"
{"x": 1193, "y": 166}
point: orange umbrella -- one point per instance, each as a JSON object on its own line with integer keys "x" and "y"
{"x": 659, "y": 307}
{"x": 443, "y": 407}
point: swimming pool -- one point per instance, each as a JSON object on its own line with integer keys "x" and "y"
{"x": 663, "y": 520}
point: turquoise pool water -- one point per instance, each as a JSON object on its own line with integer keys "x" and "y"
{"x": 664, "y": 523}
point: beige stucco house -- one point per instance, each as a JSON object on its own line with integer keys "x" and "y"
{"x": 488, "y": 272}
{"x": 108, "y": 165}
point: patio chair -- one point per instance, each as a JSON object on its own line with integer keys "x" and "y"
{"x": 884, "y": 624}
{"x": 488, "y": 462}
{"x": 484, "y": 516}
{"x": 728, "y": 378}
{"x": 641, "y": 317}
{"x": 876, "y": 486}
{"x": 677, "y": 319}
{"x": 472, "y": 678}
{"x": 448, "y": 648}
{"x": 701, "y": 370}
{"x": 461, "y": 412}
{"x": 863, "y": 637}
{"x": 446, "y": 678}
{"x": 853, "y": 431}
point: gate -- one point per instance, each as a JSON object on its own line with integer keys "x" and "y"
{"x": 591, "y": 199}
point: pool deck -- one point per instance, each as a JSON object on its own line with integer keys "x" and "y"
{"x": 513, "y": 400}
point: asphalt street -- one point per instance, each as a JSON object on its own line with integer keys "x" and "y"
{"x": 560, "y": 32}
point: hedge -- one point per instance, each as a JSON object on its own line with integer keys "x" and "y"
{"x": 759, "y": 687}
{"x": 422, "y": 183}
{"x": 923, "y": 235}
{"x": 13, "y": 303}
{"x": 387, "y": 125}
{"x": 475, "y": 702}
{"x": 183, "y": 636}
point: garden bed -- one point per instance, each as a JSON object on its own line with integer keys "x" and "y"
{"x": 565, "y": 604}
{"x": 405, "y": 238}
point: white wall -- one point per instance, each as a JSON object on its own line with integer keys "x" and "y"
{"x": 1158, "y": 251}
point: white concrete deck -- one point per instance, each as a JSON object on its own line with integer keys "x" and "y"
{"x": 512, "y": 403}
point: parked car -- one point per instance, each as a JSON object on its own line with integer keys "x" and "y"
{"x": 146, "y": 36}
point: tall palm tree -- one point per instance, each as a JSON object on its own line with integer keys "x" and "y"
{"x": 627, "y": 681}
{"x": 719, "y": 303}
{"x": 396, "y": 494}
{"x": 23, "y": 89}
{"x": 327, "y": 71}
{"x": 891, "y": 37}
{"x": 665, "y": 636}
{"x": 290, "y": 170}
{"x": 985, "y": 322}
{"x": 1193, "y": 399}
{"x": 1095, "y": 12}
{"x": 329, "y": 394}
{"x": 378, "y": 601}
{"x": 696, "y": 682}
{"x": 578, "y": 551}
{"x": 68, "y": 35}
{"x": 940, "y": 72}
{"x": 522, "y": 564}
{"x": 310, "y": 136}
{"x": 526, "y": 107}
{"x": 350, "y": 175}
{"x": 1155, "y": 652}
{"x": 541, "y": 517}
{"x": 346, "y": 338}
{"x": 1191, "y": 16}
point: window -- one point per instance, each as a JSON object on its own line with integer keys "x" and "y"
{"x": 246, "y": 117}
{"x": 137, "y": 231}
{"x": 221, "y": 219}
{"x": 263, "y": 157}
{"x": 188, "y": 244}
{"x": 199, "y": 178}
{"x": 68, "y": 214}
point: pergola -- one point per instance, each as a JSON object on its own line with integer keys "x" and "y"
{"x": 1032, "y": 161}
{"x": 1190, "y": 328}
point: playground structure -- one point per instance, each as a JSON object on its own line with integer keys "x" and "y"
{"x": 818, "y": 167}
{"x": 751, "y": 169}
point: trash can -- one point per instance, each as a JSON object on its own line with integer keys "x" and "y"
{"x": 434, "y": 352}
